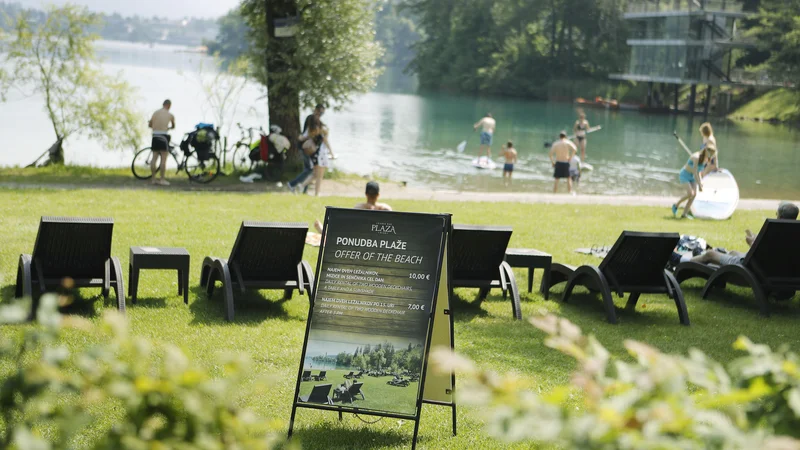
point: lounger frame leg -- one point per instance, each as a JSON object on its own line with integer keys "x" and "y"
{"x": 507, "y": 276}
{"x": 119, "y": 283}
{"x": 675, "y": 292}
{"x": 720, "y": 276}
{"x": 592, "y": 278}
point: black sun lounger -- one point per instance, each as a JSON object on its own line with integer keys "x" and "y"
{"x": 71, "y": 247}
{"x": 265, "y": 256}
{"x": 635, "y": 264}
{"x": 319, "y": 394}
{"x": 771, "y": 266}
{"x": 350, "y": 394}
{"x": 478, "y": 261}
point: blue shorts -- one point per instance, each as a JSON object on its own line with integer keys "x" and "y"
{"x": 508, "y": 167}
{"x": 687, "y": 177}
{"x": 486, "y": 138}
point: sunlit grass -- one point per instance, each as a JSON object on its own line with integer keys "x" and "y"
{"x": 272, "y": 330}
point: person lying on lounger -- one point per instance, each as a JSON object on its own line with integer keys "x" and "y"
{"x": 786, "y": 210}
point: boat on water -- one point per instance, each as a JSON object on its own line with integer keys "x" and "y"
{"x": 613, "y": 104}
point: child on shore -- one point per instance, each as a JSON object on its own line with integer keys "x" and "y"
{"x": 690, "y": 176}
{"x": 510, "y": 154}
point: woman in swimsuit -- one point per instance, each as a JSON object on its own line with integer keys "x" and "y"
{"x": 580, "y": 128}
{"x": 318, "y": 140}
{"x": 708, "y": 138}
{"x": 691, "y": 176}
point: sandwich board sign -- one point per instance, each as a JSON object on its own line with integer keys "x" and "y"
{"x": 379, "y": 281}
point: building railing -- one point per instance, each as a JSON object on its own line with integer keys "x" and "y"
{"x": 646, "y": 6}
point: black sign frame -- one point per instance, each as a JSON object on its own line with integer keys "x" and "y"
{"x": 444, "y": 244}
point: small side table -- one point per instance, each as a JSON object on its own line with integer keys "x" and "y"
{"x": 159, "y": 258}
{"x": 532, "y": 259}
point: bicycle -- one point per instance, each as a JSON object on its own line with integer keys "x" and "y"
{"x": 201, "y": 167}
{"x": 241, "y": 149}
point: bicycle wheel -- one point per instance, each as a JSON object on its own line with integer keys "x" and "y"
{"x": 201, "y": 170}
{"x": 141, "y": 164}
{"x": 241, "y": 158}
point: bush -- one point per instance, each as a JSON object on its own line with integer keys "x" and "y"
{"x": 657, "y": 401}
{"x": 166, "y": 402}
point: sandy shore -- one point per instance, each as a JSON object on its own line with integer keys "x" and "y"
{"x": 391, "y": 191}
{"x": 395, "y": 191}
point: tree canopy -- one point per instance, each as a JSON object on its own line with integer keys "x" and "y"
{"x": 512, "y": 47}
{"x": 776, "y": 29}
{"x": 54, "y": 58}
{"x": 331, "y": 56}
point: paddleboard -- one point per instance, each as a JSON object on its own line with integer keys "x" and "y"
{"x": 585, "y": 167}
{"x": 719, "y": 198}
{"x": 483, "y": 163}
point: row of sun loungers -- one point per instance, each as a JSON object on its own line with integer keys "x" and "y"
{"x": 321, "y": 394}
{"x": 269, "y": 256}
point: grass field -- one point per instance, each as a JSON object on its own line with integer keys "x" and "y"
{"x": 377, "y": 394}
{"x": 778, "y": 104}
{"x": 272, "y": 330}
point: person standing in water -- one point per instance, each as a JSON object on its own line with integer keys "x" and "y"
{"x": 579, "y": 129}
{"x": 510, "y": 154}
{"x": 488, "y": 125}
{"x": 691, "y": 177}
{"x": 561, "y": 153}
{"x": 708, "y": 138}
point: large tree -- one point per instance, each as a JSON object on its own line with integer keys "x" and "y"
{"x": 331, "y": 56}
{"x": 53, "y": 57}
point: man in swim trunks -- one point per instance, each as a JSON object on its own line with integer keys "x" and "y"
{"x": 580, "y": 129}
{"x": 510, "y": 154}
{"x": 561, "y": 153}
{"x": 161, "y": 122}
{"x": 488, "y": 125}
{"x": 786, "y": 210}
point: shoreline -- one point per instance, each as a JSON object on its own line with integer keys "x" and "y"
{"x": 394, "y": 191}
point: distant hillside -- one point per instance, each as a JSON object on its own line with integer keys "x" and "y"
{"x": 190, "y": 32}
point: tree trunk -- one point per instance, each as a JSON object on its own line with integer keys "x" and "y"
{"x": 283, "y": 101}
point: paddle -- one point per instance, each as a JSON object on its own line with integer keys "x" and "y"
{"x": 548, "y": 144}
{"x": 675, "y": 133}
{"x": 461, "y": 146}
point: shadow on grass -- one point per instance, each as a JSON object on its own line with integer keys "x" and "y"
{"x": 589, "y": 304}
{"x": 746, "y": 301}
{"x": 250, "y": 307}
{"x": 332, "y": 434}
{"x": 466, "y": 311}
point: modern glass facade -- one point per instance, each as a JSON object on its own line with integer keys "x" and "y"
{"x": 681, "y": 41}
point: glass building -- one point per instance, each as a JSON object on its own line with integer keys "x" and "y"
{"x": 682, "y": 42}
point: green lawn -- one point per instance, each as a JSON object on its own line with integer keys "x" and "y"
{"x": 272, "y": 330}
{"x": 778, "y": 104}
{"x": 377, "y": 394}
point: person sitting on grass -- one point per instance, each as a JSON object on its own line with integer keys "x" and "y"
{"x": 786, "y": 210}
{"x": 373, "y": 192}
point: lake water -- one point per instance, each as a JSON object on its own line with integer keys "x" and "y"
{"x": 413, "y": 138}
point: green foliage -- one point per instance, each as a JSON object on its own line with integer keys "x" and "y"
{"x": 332, "y": 56}
{"x": 397, "y": 32}
{"x": 55, "y": 59}
{"x": 513, "y": 47}
{"x": 166, "y": 401}
{"x": 231, "y": 41}
{"x": 222, "y": 85}
{"x": 656, "y": 401}
{"x": 777, "y": 31}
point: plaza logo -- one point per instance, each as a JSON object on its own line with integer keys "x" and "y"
{"x": 383, "y": 228}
